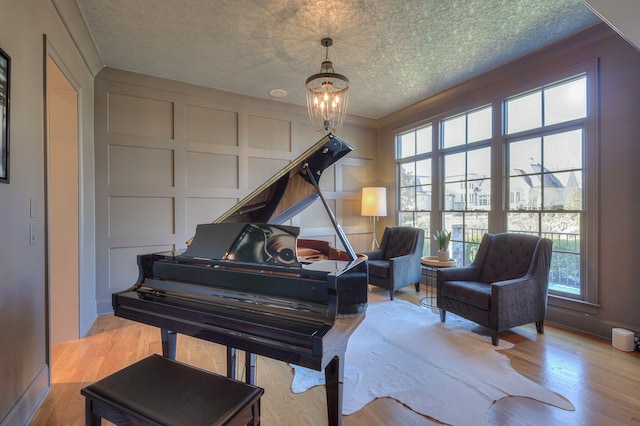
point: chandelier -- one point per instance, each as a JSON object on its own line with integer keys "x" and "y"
{"x": 327, "y": 95}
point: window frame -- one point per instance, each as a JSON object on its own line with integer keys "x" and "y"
{"x": 589, "y": 284}
{"x": 400, "y": 162}
{"x": 588, "y": 300}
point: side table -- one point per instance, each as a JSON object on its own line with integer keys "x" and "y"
{"x": 430, "y": 265}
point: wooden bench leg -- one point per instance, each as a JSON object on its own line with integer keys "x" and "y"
{"x": 255, "y": 411}
{"x": 91, "y": 419}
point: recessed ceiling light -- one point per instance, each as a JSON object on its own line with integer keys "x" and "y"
{"x": 278, "y": 93}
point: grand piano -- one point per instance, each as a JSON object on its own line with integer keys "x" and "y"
{"x": 247, "y": 281}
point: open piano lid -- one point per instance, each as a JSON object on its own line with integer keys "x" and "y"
{"x": 290, "y": 191}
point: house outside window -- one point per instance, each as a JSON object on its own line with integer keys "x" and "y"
{"x": 545, "y": 138}
{"x": 466, "y": 164}
{"x": 413, "y": 156}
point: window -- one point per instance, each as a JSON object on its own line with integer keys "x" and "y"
{"x": 467, "y": 128}
{"x": 466, "y": 156}
{"x": 546, "y": 176}
{"x": 413, "y": 150}
{"x": 546, "y": 173}
{"x": 414, "y": 142}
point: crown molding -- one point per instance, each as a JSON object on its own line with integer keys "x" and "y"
{"x": 76, "y": 26}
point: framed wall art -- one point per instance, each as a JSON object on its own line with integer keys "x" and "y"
{"x": 5, "y": 66}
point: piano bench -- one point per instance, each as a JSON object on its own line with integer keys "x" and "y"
{"x": 160, "y": 391}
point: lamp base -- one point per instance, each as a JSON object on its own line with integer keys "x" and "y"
{"x": 374, "y": 240}
{"x": 374, "y": 243}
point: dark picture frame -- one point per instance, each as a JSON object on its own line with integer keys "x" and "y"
{"x": 5, "y": 72}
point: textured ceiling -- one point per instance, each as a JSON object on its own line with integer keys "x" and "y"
{"x": 395, "y": 52}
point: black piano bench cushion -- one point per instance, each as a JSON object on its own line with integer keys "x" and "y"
{"x": 160, "y": 391}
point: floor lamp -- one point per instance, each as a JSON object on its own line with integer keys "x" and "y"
{"x": 374, "y": 205}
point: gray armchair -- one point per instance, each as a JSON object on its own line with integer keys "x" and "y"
{"x": 397, "y": 263}
{"x": 505, "y": 286}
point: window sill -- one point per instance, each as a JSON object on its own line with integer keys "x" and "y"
{"x": 573, "y": 304}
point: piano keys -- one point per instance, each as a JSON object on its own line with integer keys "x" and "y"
{"x": 247, "y": 281}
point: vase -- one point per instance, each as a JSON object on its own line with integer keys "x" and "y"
{"x": 443, "y": 256}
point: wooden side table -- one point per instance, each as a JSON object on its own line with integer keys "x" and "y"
{"x": 430, "y": 265}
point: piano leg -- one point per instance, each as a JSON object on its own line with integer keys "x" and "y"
{"x": 249, "y": 365}
{"x": 231, "y": 362}
{"x": 168, "y": 343}
{"x": 334, "y": 376}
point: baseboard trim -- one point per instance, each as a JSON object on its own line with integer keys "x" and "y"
{"x": 586, "y": 323}
{"x": 87, "y": 318}
{"x": 104, "y": 307}
{"x": 26, "y": 407}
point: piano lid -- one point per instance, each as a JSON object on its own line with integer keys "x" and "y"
{"x": 293, "y": 189}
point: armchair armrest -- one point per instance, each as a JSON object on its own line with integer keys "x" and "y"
{"x": 519, "y": 300}
{"x": 460, "y": 273}
{"x": 400, "y": 261}
{"x": 405, "y": 269}
{"x": 373, "y": 255}
{"x": 525, "y": 287}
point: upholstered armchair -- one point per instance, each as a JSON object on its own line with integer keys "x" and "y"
{"x": 505, "y": 286}
{"x": 397, "y": 263}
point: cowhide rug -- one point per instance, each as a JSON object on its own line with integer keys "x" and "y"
{"x": 441, "y": 370}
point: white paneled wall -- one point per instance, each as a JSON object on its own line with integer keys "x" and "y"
{"x": 170, "y": 156}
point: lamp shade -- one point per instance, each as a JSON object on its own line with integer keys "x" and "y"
{"x": 374, "y": 201}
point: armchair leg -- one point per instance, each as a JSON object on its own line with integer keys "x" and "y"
{"x": 495, "y": 338}
{"x": 443, "y": 315}
{"x": 417, "y": 287}
{"x": 391, "y": 294}
{"x": 540, "y": 327}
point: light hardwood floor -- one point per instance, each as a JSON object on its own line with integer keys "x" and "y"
{"x": 602, "y": 382}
